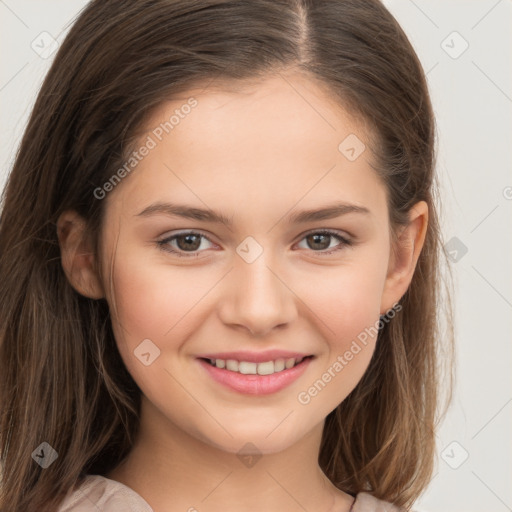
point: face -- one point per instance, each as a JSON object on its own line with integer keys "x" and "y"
{"x": 266, "y": 277}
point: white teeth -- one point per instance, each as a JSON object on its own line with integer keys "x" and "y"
{"x": 279, "y": 365}
{"x": 231, "y": 364}
{"x": 267, "y": 368}
{"x": 290, "y": 363}
{"x": 249, "y": 368}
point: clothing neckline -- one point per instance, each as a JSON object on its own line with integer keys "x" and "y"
{"x": 91, "y": 478}
{"x": 127, "y": 491}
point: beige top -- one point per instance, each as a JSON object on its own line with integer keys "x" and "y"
{"x": 100, "y": 493}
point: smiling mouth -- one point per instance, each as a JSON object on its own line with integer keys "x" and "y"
{"x": 251, "y": 368}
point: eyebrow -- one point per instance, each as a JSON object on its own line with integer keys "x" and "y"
{"x": 207, "y": 215}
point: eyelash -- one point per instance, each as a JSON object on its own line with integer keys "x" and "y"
{"x": 164, "y": 244}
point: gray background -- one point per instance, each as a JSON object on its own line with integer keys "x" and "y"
{"x": 472, "y": 95}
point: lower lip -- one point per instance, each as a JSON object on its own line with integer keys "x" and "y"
{"x": 256, "y": 384}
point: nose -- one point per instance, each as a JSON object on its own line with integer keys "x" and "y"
{"x": 257, "y": 298}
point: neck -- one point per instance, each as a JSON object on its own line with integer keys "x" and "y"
{"x": 176, "y": 471}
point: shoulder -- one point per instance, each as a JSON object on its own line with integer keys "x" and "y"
{"x": 365, "y": 502}
{"x": 97, "y": 492}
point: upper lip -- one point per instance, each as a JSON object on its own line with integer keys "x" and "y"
{"x": 255, "y": 357}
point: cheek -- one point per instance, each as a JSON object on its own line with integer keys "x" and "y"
{"x": 151, "y": 303}
{"x": 346, "y": 302}
{"x": 150, "y": 299}
{"x": 345, "y": 299}
{"x": 147, "y": 304}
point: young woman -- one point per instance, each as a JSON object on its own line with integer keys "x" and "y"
{"x": 220, "y": 264}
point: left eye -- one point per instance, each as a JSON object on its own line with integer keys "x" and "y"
{"x": 190, "y": 242}
{"x": 319, "y": 238}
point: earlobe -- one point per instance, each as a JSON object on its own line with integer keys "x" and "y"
{"x": 77, "y": 255}
{"x": 404, "y": 256}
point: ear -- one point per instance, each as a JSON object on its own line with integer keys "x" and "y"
{"x": 404, "y": 256}
{"x": 77, "y": 255}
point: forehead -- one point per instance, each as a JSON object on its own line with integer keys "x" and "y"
{"x": 280, "y": 138}
{"x": 284, "y": 111}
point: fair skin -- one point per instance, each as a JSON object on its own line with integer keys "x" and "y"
{"x": 257, "y": 155}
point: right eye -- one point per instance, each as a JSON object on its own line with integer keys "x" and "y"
{"x": 186, "y": 242}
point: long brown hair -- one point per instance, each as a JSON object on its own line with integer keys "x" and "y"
{"x": 62, "y": 379}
